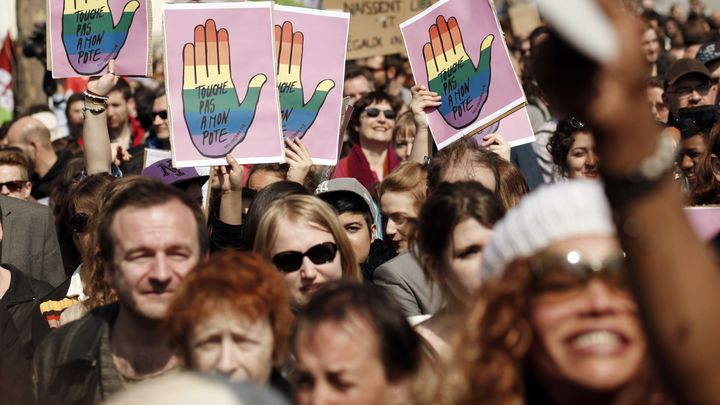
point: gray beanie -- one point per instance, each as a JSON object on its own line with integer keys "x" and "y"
{"x": 552, "y": 213}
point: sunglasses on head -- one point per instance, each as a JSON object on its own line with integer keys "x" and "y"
{"x": 162, "y": 114}
{"x": 570, "y": 272}
{"x": 289, "y": 261}
{"x": 374, "y": 112}
{"x": 691, "y": 121}
{"x": 79, "y": 222}
{"x": 14, "y": 186}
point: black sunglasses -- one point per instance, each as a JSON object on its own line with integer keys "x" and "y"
{"x": 14, "y": 186}
{"x": 162, "y": 114}
{"x": 79, "y": 222}
{"x": 691, "y": 121}
{"x": 374, "y": 112}
{"x": 289, "y": 261}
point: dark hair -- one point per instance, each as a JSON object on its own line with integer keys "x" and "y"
{"x": 354, "y": 71}
{"x": 399, "y": 345}
{"x": 145, "y": 193}
{"x": 510, "y": 185}
{"x": 360, "y": 106}
{"x": 74, "y": 98}
{"x": 347, "y": 201}
{"x": 123, "y": 87}
{"x": 562, "y": 141}
{"x": 261, "y": 202}
{"x": 707, "y": 187}
{"x": 447, "y": 206}
{"x": 396, "y": 62}
{"x": 279, "y": 168}
{"x": 655, "y": 81}
{"x": 60, "y": 194}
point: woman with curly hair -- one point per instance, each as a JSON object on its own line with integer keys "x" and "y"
{"x": 572, "y": 147}
{"x": 555, "y": 322}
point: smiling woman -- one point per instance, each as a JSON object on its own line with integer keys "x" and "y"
{"x": 371, "y": 128}
{"x": 555, "y": 322}
{"x": 572, "y": 147}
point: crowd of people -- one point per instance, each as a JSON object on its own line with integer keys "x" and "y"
{"x": 563, "y": 271}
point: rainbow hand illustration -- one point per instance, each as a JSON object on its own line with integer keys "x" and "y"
{"x": 217, "y": 121}
{"x": 90, "y": 36}
{"x": 463, "y": 87}
{"x": 297, "y": 116}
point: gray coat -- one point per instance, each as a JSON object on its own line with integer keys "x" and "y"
{"x": 403, "y": 278}
{"x": 29, "y": 241}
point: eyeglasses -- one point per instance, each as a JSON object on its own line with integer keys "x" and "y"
{"x": 289, "y": 261}
{"x": 162, "y": 114}
{"x": 691, "y": 121}
{"x": 570, "y": 272}
{"x": 13, "y": 186}
{"x": 79, "y": 222}
{"x": 374, "y": 112}
{"x": 685, "y": 91}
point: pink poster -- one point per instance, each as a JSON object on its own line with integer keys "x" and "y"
{"x": 84, "y": 35}
{"x": 456, "y": 49}
{"x": 310, "y": 47}
{"x": 220, "y": 82}
{"x": 515, "y": 128}
{"x": 704, "y": 220}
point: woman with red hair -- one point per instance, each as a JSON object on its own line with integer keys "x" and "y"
{"x": 231, "y": 316}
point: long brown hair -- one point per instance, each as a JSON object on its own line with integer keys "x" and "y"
{"x": 492, "y": 354}
{"x": 707, "y": 188}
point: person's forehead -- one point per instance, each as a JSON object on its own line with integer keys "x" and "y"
{"x": 352, "y": 216}
{"x": 696, "y": 142}
{"x": 172, "y": 220}
{"x": 382, "y": 104}
{"x": 116, "y": 96}
{"x": 358, "y": 82}
{"x": 10, "y": 170}
{"x": 347, "y": 344}
{"x": 160, "y": 103}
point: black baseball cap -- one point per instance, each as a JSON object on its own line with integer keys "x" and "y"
{"x": 683, "y": 67}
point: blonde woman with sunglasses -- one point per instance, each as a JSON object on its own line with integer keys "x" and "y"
{"x": 303, "y": 238}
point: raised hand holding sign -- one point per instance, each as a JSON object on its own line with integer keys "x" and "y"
{"x": 90, "y": 36}
{"x": 297, "y": 116}
{"x": 464, "y": 88}
{"x": 216, "y": 119}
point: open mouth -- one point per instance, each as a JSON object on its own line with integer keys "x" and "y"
{"x": 598, "y": 342}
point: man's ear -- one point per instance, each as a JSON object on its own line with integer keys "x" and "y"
{"x": 373, "y": 231}
{"x": 27, "y": 189}
{"x": 391, "y": 73}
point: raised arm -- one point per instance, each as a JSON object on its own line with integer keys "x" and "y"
{"x": 674, "y": 275}
{"x": 231, "y": 178}
{"x": 96, "y": 137}
{"x": 422, "y": 98}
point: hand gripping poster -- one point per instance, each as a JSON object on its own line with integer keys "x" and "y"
{"x": 456, "y": 49}
{"x": 310, "y": 46}
{"x": 84, "y": 35}
{"x": 220, "y": 82}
